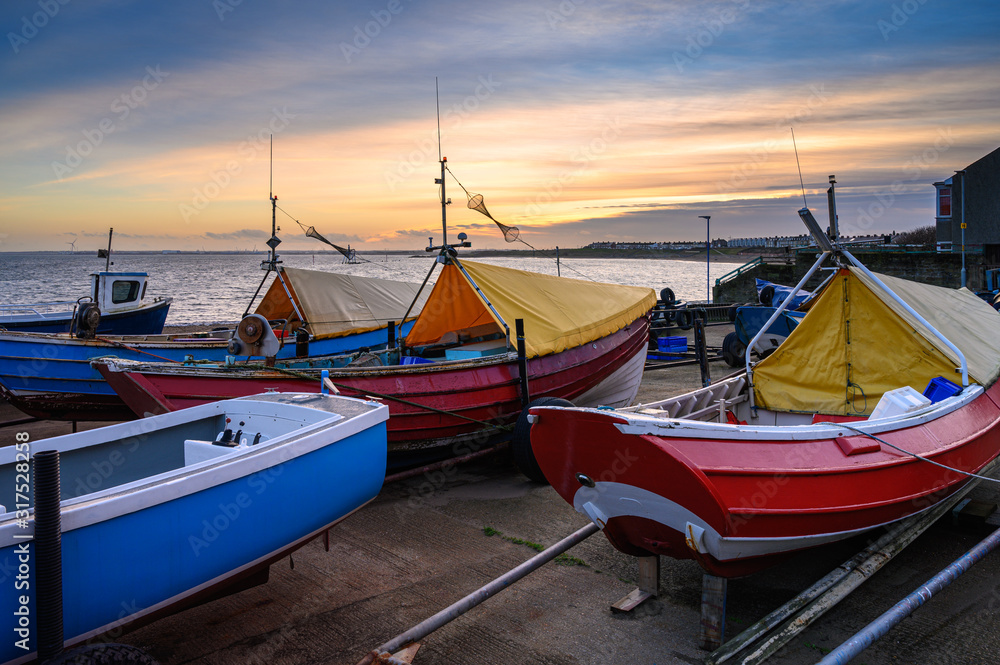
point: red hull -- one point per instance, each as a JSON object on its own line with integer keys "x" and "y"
{"x": 483, "y": 391}
{"x": 737, "y": 502}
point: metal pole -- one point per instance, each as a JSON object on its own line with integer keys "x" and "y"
{"x": 428, "y": 626}
{"x": 915, "y": 314}
{"x": 708, "y": 257}
{"x": 522, "y": 362}
{"x": 107, "y": 263}
{"x": 962, "y": 173}
{"x": 48, "y": 553}
{"x": 880, "y": 626}
{"x": 558, "y": 270}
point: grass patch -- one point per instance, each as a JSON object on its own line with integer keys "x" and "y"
{"x": 562, "y": 559}
{"x": 822, "y": 650}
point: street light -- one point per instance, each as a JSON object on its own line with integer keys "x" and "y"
{"x": 708, "y": 260}
{"x": 962, "y": 173}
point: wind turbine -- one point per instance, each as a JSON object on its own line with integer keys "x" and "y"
{"x": 72, "y": 245}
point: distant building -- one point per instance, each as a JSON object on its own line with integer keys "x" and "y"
{"x": 977, "y": 187}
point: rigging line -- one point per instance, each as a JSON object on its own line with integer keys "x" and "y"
{"x": 907, "y": 452}
{"x": 525, "y": 242}
{"x": 358, "y": 258}
{"x": 801, "y": 183}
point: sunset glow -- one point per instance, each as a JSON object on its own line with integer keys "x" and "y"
{"x": 578, "y": 121}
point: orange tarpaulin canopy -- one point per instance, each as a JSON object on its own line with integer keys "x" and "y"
{"x": 558, "y": 313}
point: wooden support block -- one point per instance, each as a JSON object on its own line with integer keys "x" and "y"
{"x": 649, "y": 574}
{"x": 713, "y": 612}
{"x": 649, "y": 585}
{"x": 631, "y": 601}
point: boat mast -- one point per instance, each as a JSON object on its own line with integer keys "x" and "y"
{"x": 107, "y": 263}
{"x": 274, "y": 241}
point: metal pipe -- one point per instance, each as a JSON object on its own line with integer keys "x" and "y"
{"x": 902, "y": 303}
{"x": 880, "y": 626}
{"x": 836, "y": 585}
{"x": 288, "y": 293}
{"x": 482, "y": 295}
{"x": 48, "y": 555}
{"x": 428, "y": 626}
{"x": 774, "y": 317}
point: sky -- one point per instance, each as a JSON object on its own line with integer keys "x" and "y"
{"x": 577, "y": 120}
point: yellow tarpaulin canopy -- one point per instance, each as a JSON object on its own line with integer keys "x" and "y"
{"x": 335, "y": 304}
{"x": 558, "y": 313}
{"x": 856, "y": 343}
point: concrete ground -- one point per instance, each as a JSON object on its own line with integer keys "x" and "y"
{"x": 424, "y": 543}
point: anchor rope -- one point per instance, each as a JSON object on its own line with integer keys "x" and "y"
{"x": 365, "y": 391}
{"x": 911, "y": 454}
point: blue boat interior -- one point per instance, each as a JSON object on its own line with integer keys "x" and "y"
{"x": 137, "y": 451}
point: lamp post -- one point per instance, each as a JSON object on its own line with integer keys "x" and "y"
{"x": 708, "y": 259}
{"x": 962, "y": 173}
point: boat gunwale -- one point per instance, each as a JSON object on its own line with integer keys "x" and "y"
{"x": 88, "y": 509}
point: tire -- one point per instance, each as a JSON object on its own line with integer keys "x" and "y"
{"x": 684, "y": 319}
{"x": 732, "y": 313}
{"x": 667, "y": 296}
{"x": 733, "y": 351}
{"x": 766, "y": 295}
{"x": 104, "y": 654}
{"x": 520, "y": 443}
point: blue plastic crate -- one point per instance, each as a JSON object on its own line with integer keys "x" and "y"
{"x": 672, "y": 344}
{"x": 941, "y": 388}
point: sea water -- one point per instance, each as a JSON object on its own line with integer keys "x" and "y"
{"x": 216, "y": 288}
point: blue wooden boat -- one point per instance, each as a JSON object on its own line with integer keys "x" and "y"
{"x": 117, "y": 305}
{"x": 314, "y": 313}
{"x": 166, "y": 511}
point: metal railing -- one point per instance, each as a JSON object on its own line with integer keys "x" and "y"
{"x": 733, "y": 274}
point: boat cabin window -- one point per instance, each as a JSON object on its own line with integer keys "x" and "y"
{"x": 124, "y": 291}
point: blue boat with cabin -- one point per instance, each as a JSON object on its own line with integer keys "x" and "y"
{"x": 117, "y": 305}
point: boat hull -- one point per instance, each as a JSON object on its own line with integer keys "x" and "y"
{"x": 736, "y": 498}
{"x": 123, "y": 565}
{"x": 147, "y": 319}
{"x": 50, "y": 376}
{"x": 430, "y": 405}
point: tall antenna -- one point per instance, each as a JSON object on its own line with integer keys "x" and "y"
{"x": 444, "y": 162}
{"x": 437, "y": 100}
{"x": 801, "y": 183}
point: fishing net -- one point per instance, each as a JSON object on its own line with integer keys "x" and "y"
{"x": 510, "y": 233}
{"x": 311, "y": 232}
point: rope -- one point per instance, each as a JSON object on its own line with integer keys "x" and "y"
{"x": 907, "y": 452}
{"x": 359, "y": 258}
{"x": 365, "y": 391}
{"x": 522, "y": 240}
{"x": 133, "y": 349}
